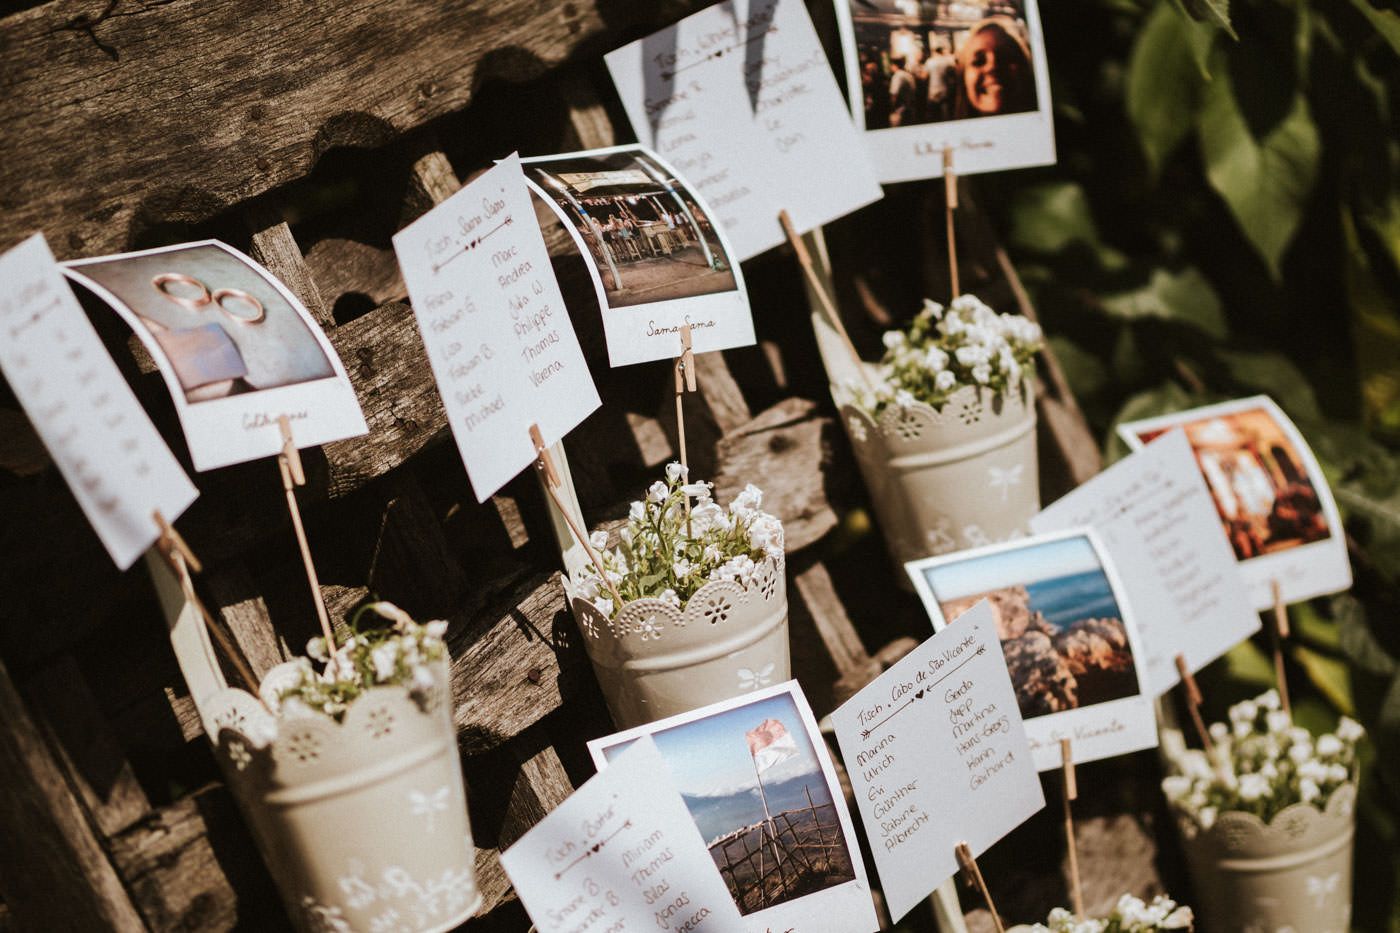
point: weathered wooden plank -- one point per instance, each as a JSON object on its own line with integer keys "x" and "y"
{"x": 205, "y": 124}
{"x": 59, "y": 853}
{"x": 235, "y": 598}
{"x": 274, "y": 246}
{"x": 85, "y": 748}
{"x": 412, "y": 565}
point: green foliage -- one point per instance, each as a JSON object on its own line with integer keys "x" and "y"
{"x": 1225, "y": 220}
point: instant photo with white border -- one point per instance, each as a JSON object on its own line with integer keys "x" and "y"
{"x": 223, "y": 429}
{"x": 846, "y": 906}
{"x": 640, "y": 331}
{"x": 1100, "y": 730}
{"x": 982, "y": 143}
{"x": 1302, "y": 571}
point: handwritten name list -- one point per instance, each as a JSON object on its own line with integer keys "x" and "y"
{"x": 1156, "y": 517}
{"x": 499, "y": 339}
{"x": 741, "y": 100}
{"x": 108, "y": 451}
{"x": 622, "y": 853}
{"x": 938, "y": 755}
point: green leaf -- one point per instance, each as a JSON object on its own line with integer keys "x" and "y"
{"x": 1264, "y": 170}
{"x": 1184, "y": 297}
{"x": 1248, "y": 664}
{"x": 1085, "y": 371}
{"x": 1208, "y": 11}
{"x": 1387, "y": 22}
{"x": 1168, "y": 397}
{"x": 1051, "y": 217}
{"x": 1381, "y": 532}
{"x": 1166, "y": 81}
{"x": 1314, "y": 629}
{"x": 1328, "y": 675}
{"x": 1357, "y": 640}
{"x": 1275, "y": 375}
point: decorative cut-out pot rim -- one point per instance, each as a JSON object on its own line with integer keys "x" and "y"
{"x": 1239, "y": 834}
{"x": 969, "y": 412}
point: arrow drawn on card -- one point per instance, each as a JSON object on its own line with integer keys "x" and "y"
{"x": 592, "y": 850}
{"x": 865, "y": 733}
{"x": 471, "y": 245}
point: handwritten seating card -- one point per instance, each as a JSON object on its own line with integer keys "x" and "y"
{"x": 938, "y": 755}
{"x": 1156, "y": 516}
{"x": 111, "y": 455}
{"x": 741, "y": 99}
{"x": 499, "y": 339}
{"x": 621, "y": 854}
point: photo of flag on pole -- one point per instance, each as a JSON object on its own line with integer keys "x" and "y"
{"x": 770, "y": 744}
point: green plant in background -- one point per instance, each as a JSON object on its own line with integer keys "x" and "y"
{"x": 1225, "y": 220}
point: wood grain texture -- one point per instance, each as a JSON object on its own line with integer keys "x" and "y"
{"x": 215, "y": 103}
{"x": 59, "y": 855}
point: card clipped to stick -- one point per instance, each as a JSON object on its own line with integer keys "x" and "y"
{"x": 741, "y": 99}
{"x": 236, "y": 347}
{"x": 924, "y": 77}
{"x": 1271, "y": 496}
{"x": 757, "y": 780}
{"x": 938, "y": 755}
{"x": 620, "y": 854}
{"x": 103, "y": 443}
{"x": 1156, "y": 516}
{"x": 499, "y": 339}
{"x": 657, "y": 257}
{"x": 1067, "y": 631}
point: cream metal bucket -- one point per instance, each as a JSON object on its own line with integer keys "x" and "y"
{"x": 654, "y": 660}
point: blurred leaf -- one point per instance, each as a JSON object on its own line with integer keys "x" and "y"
{"x": 1184, "y": 297}
{"x": 1085, "y": 372}
{"x": 1275, "y": 375}
{"x": 1328, "y": 675}
{"x": 1358, "y": 642}
{"x": 1128, "y": 363}
{"x": 1168, "y": 397}
{"x": 1376, "y": 313}
{"x": 1381, "y": 533}
{"x": 1386, "y": 22}
{"x": 1248, "y": 664}
{"x": 1216, "y": 12}
{"x": 1048, "y": 218}
{"x": 1166, "y": 81}
{"x": 1266, "y": 180}
{"x": 1315, "y": 629}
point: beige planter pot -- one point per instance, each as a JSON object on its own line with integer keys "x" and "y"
{"x": 1290, "y": 876}
{"x": 654, "y": 660}
{"x": 362, "y": 823}
{"x": 945, "y": 480}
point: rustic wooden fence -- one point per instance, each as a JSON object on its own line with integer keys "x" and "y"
{"x": 307, "y": 134}
{"x": 770, "y": 861}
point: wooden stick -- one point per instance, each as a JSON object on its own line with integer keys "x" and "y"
{"x": 804, "y": 259}
{"x": 973, "y": 875}
{"x": 950, "y": 192}
{"x": 545, "y": 465}
{"x": 1193, "y": 702}
{"x": 685, "y": 382}
{"x": 1278, "y": 635}
{"x": 289, "y": 464}
{"x": 1071, "y": 792}
{"x": 177, "y": 554}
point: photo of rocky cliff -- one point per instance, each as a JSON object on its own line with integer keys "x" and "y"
{"x": 1058, "y": 619}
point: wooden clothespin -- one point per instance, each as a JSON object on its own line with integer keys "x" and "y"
{"x": 176, "y": 551}
{"x": 289, "y": 463}
{"x": 1071, "y": 793}
{"x": 1278, "y": 635}
{"x": 804, "y": 259}
{"x": 545, "y": 465}
{"x": 973, "y": 876}
{"x": 950, "y": 194}
{"x": 685, "y": 382}
{"x": 1193, "y": 702}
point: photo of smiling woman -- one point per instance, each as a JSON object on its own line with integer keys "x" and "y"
{"x": 994, "y": 71}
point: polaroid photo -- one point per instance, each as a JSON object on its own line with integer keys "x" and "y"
{"x": 923, "y": 77}
{"x": 758, "y": 781}
{"x": 1068, "y": 634}
{"x": 658, "y": 259}
{"x": 1273, "y": 500}
{"x": 236, "y": 348}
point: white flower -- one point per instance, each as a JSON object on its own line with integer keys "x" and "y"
{"x": 657, "y": 492}
{"x": 1278, "y": 721}
{"x": 669, "y": 597}
{"x": 316, "y": 649}
{"x": 893, "y": 339}
{"x": 599, "y": 540}
{"x": 1269, "y": 699}
{"x": 751, "y": 499}
{"x": 436, "y": 629}
{"x": 675, "y": 472}
{"x": 1349, "y": 730}
{"x": 1308, "y": 790}
{"x": 697, "y": 490}
{"x": 904, "y": 398}
{"x": 1329, "y": 746}
{"x": 422, "y": 678}
{"x": 982, "y": 373}
{"x": 1301, "y": 751}
{"x": 637, "y": 512}
{"x": 1253, "y": 786}
{"x": 1337, "y": 774}
{"x": 385, "y": 658}
{"x": 945, "y": 380}
{"x": 1246, "y": 711}
{"x": 682, "y": 567}
{"x": 604, "y": 605}
{"x": 1206, "y": 817}
{"x": 1176, "y": 786}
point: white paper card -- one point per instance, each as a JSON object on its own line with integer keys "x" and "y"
{"x": 620, "y": 854}
{"x": 499, "y": 339}
{"x": 754, "y": 773}
{"x": 740, "y": 98}
{"x": 658, "y": 257}
{"x": 938, "y": 755}
{"x": 1067, "y": 631}
{"x": 1157, "y": 519}
{"x": 1270, "y": 495}
{"x": 108, "y": 451}
{"x": 971, "y": 76}
{"x": 236, "y": 347}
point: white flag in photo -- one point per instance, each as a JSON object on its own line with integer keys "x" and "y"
{"x": 770, "y": 744}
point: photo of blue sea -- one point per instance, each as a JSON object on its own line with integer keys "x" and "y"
{"x": 1065, "y": 600}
